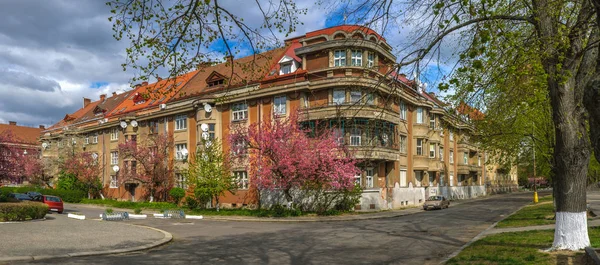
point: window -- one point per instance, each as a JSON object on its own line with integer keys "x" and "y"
{"x": 419, "y": 147}
{"x": 431, "y": 121}
{"x": 369, "y": 178}
{"x": 239, "y": 146}
{"x": 418, "y": 178}
{"x": 431, "y": 177}
{"x": 451, "y": 135}
{"x": 403, "y": 144}
{"x": 357, "y": 58}
{"x": 403, "y": 178}
{"x": 95, "y": 139}
{"x": 59, "y": 143}
{"x": 113, "y": 182}
{"x": 339, "y": 97}
{"x": 114, "y": 134}
{"x": 339, "y": 58}
{"x": 211, "y": 131}
{"x": 465, "y": 158}
{"x": 441, "y": 153}
{"x": 370, "y": 59}
{"x": 279, "y": 107}
{"x": 442, "y": 179}
{"x": 370, "y": 99}
{"x": 338, "y": 133}
{"x": 355, "y": 96}
{"x": 86, "y": 140}
{"x": 216, "y": 82}
{"x": 451, "y": 156}
{"x": 180, "y": 122}
{"x": 114, "y": 158}
{"x": 355, "y": 135}
{"x": 479, "y": 161}
{"x": 153, "y": 126}
{"x": 357, "y": 179}
{"x": 181, "y": 180}
{"x": 403, "y": 110}
{"x": 179, "y": 154}
{"x": 451, "y": 180}
{"x": 419, "y": 115}
{"x": 240, "y": 111}
{"x": 285, "y": 68}
{"x": 431, "y": 150}
{"x": 242, "y": 179}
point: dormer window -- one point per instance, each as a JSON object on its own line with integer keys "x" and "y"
{"x": 215, "y": 79}
{"x": 288, "y": 64}
{"x": 286, "y": 68}
{"x": 138, "y": 99}
{"x": 216, "y": 83}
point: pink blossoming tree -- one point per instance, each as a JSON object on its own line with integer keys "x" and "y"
{"x": 85, "y": 166}
{"x": 16, "y": 161}
{"x": 282, "y": 157}
{"x": 148, "y": 163}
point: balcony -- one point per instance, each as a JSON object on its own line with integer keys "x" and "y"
{"x": 420, "y": 162}
{"x": 349, "y": 110}
{"x": 467, "y": 147}
{"x": 463, "y": 169}
{"x": 375, "y": 153}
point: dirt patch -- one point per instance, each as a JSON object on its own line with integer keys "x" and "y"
{"x": 564, "y": 257}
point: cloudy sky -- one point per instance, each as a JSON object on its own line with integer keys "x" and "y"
{"x": 54, "y": 53}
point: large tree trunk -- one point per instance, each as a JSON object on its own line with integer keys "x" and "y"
{"x": 571, "y": 156}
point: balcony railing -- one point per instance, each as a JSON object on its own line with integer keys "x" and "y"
{"x": 330, "y": 110}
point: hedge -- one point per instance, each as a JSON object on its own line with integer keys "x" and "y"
{"x": 72, "y": 196}
{"x": 21, "y": 211}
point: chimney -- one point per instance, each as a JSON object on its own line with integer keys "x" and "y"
{"x": 159, "y": 78}
{"x": 114, "y": 93}
{"x": 86, "y": 101}
{"x": 42, "y": 127}
{"x": 103, "y": 97}
{"x": 12, "y": 122}
{"x": 145, "y": 83}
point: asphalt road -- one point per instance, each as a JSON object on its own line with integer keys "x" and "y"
{"x": 421, "y": 238}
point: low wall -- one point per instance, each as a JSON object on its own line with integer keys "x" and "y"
{"x": 462, "y": 193}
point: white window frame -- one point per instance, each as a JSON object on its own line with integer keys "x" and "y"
{"x": 357, "y": 179}
{"x": 114, "y": 134}
{"x": 338, "y": 133}
{"x": 419, "y": 115}
{"x": 451, "y": 135}
{"x": 356, "y": 57}
{"x": 465, "y": 158}
{"x": 241, "y": 178}
{"x": 239, "y": 111}
{"x": 178, "y": 148}
{"x": 441, "y": 153}
{"x": 403, "y": 182}
{"x": 285, "y": 68}
{"x": 431, "y": 121}
{"x": 280, "y": 105}
{"x": 338, "y": 100}
{"x": 181, "y": 180}
{"x": 370, "y": 99}
{"x": 419, "y": 146}
{"x": 431, "y": 150}
{"x": 442, "y": 179}
{"x": 418, "y": 175}
{"x": 451, "y": 180}
{"x": 403, "y": 110}
{"x": 114, "y": 158}
{"x": 479, "y": 161}
{"x": 86, "y": 140}
{"x": 370, "y": 59}
{"x": 355, "y": 137}
{"x": 451, "y": 156}
{"x": 369, "y": 176}
{"x": 114, "y": 182}
{"x": 239, "y": 147}
{"x": 355, "y": 96}
{"x": 180, "y": 122}
{"x": 339, "y": 58}
{"x": 95, "y": 139}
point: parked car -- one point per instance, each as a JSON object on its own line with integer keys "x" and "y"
{"x": 55, "y": 204}
{"x": 436, "y": 202}
{"x": 33, "y": 194}
{"x": 20, "y": 196}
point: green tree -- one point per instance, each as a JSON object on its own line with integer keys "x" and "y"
{"x": 208, "y": 172}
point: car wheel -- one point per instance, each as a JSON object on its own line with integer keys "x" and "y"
{"x": 60, "y": 212}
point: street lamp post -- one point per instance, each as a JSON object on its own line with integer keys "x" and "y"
{"x": 535, "y": 194}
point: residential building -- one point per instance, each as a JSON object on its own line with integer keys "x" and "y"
{"x": 23, "y": 142}
{"x": 410, "y": 144}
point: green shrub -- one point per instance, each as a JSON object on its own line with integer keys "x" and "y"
{"x": 177, "y": 194}
{"x": 72, "y": 196}
{"x": 278, "y": 210}
{"x": 137, "y": 210}
{"x": 109, "y": 210}
{"x": 349, "y": 199}
{"x": 191, "y": 203}
{"x": 21, "y": 211}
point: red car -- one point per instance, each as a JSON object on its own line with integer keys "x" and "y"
{"x": 55, "y": 204}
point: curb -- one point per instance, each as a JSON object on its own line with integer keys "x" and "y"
{"x": 481, "y": 235}
{"x": 168, "y": 237}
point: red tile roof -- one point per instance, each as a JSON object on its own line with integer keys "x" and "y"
{"x": 72, "y": 118}
{"x": 23, "y": 134}
{"x": 473, "y": 113}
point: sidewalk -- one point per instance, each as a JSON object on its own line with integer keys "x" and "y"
{"x": 59, "y": 236}
{"x": 591, "y": 223}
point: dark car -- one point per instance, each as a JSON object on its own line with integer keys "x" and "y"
{"x": 436, "y": 202}
{"x": 55, "y": 204}
{"x": 20, "y": 196}
{"x": 33, "y": 194}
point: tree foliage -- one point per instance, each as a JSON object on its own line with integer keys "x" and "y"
{"x": 147, "y": 162}
{"x": 17, "y": 161}
{"x": 209, "y": 173}
{"x": 87, "y": 169}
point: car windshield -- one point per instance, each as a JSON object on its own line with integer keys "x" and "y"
{"x": 52, "y": 199}
{"x": 435, "y": 198}
{"x": 22, "y": 197}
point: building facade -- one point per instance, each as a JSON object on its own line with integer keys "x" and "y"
{"x": 16, "y": 144}
{"x": 410, "y": 144}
